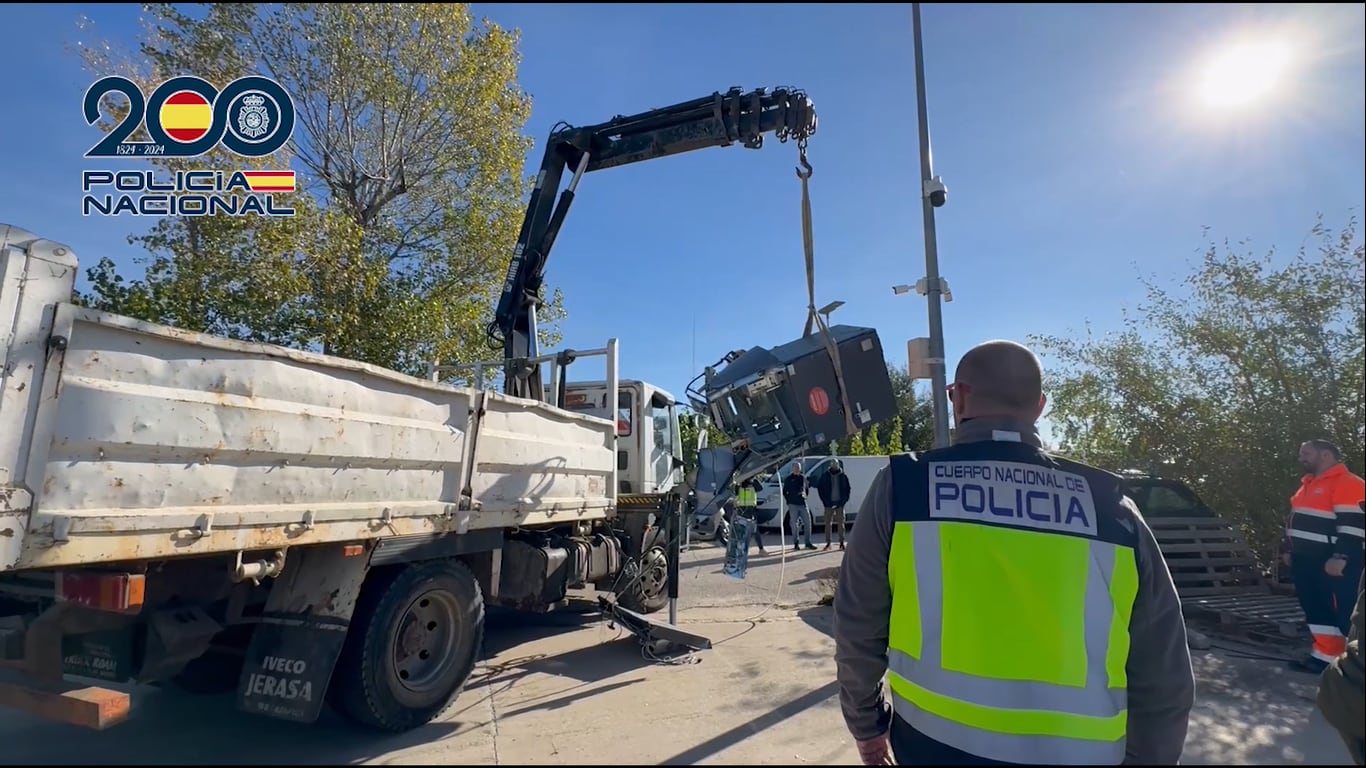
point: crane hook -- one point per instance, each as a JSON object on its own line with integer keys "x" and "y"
{"x": 805, "y": 171}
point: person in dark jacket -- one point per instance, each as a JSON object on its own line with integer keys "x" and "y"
{"x": 795, "y": 489}
{"x": 1342, "y": 687}
{"x": 833, "y": 488}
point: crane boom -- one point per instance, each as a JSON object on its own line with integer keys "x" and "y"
{"x": 718, "y": 120}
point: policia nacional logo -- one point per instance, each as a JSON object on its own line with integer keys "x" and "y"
{"x": 187, "y": 116}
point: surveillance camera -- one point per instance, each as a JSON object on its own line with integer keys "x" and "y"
{"x": 936, "y": 192}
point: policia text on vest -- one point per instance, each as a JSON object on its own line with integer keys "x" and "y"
{"x": 1019, "y": 607}
{"x": 1022, "y": 494}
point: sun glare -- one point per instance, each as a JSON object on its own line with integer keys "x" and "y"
{"x": 1243, "y": 75}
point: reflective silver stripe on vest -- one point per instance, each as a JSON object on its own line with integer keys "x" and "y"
{"x": 1097, "y": 699}
{"x": 1009, "y": 748}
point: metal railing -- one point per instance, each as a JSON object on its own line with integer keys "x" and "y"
{"x": 555, "y": 382}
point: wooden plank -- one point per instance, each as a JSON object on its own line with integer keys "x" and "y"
{"x": 1222, "y": 532}
{"x": 1273, "y": 610}
{"x": 1249, "y": 603}
{"x": 1243, "y": 562}
{"x": 1186, "y": 577}
{"x": 1204, "y": 523}
{"x": 1214, "y": 570}
{"x": 95, "y": 708}
{"x": 1199, "y": 544}
{"x": 1208, "y": 570}
{"x": 1225, "y": 563}
{"x": 1229, "y": 590}
{"x": 1244, "y": 601}
{"x": 1202, "y": 547}
{"x": 1187, "y": 532}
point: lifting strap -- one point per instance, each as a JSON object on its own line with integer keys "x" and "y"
{"x": 814, "y": 317}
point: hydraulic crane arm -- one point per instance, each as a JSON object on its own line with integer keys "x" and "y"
{"x": 718, "y": 120}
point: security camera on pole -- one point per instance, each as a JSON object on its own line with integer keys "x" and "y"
{"x": 926, "y": 356}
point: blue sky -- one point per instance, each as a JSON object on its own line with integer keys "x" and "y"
{"x": 1072, "y": 150}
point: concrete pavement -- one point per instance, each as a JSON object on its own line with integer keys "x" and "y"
{"x": 565, "y": 690}
{"x": 552, "y": 692}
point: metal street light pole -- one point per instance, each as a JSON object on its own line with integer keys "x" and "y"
{"x": 933, "y": 194}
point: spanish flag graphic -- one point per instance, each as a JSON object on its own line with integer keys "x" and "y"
{"x": 270, "y": 181}
{"x": 186, "y": 116}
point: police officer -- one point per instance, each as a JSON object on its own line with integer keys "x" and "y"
{"x": 1017, "y": 601}
{"x": 747, "y": 504}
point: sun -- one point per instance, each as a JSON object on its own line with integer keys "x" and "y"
{"x": 1243, "y": 74}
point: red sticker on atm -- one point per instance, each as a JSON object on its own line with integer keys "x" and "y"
{"x": 819, "y": 401}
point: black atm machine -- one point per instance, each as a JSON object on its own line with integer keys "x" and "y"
{"x": 784, "y": 402}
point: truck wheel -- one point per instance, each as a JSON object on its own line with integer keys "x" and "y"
{"x": 645, "y": 581}
{"x": 416, "y": 635}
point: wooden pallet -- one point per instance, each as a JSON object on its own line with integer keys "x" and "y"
{"x": 1207, "y": 556}
{"x": 1262, "y": 617}
{"x": 1220, "y": 582}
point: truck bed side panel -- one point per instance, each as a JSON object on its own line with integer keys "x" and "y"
{"x": 167, "y": 442}
{"x": 35, "y": 274}
{"x": 530, "y": 456}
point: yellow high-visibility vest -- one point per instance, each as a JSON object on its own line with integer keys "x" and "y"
{"x": 1013, "y": 580}
{"x": 747, "y": 497}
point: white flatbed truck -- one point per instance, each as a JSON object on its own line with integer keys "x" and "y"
{"x": 180, "y": 507}
{"x": 302, "y": 528}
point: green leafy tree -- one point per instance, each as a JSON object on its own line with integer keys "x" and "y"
{"x": 409, "y": 154}
{"x": 914, "y": 409}
{"x": 1219, "y": 383}
{"x": 872, "y": 440}
{"x": 894, "y": 436}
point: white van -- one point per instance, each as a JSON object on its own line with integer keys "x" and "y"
{"x": 860, "y": 469}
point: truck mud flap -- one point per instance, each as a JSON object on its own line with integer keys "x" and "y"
{"x": 294, "y": 648}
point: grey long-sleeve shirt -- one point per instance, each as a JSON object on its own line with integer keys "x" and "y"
{"x": 1161, "y": 683}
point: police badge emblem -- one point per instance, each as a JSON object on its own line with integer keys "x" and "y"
{"x": 252, "y": 118}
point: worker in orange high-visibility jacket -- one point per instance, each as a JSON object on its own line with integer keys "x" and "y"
{"x": 1326, "y": 531}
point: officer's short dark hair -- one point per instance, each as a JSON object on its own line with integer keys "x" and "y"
{"x": 1319, "y": 444}
{"x": 1002, "y": 373}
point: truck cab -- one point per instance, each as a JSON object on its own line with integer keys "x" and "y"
{"x": 649, "y": 446}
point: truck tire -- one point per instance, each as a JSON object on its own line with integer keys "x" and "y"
{"x": 415, "y": 637}
{"x": 645, "y": 580}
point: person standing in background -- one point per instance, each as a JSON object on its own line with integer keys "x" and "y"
{"x": 834, "y": 490}
{"x": 1326, "y": 555}
{"x": 795, "y": 490}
